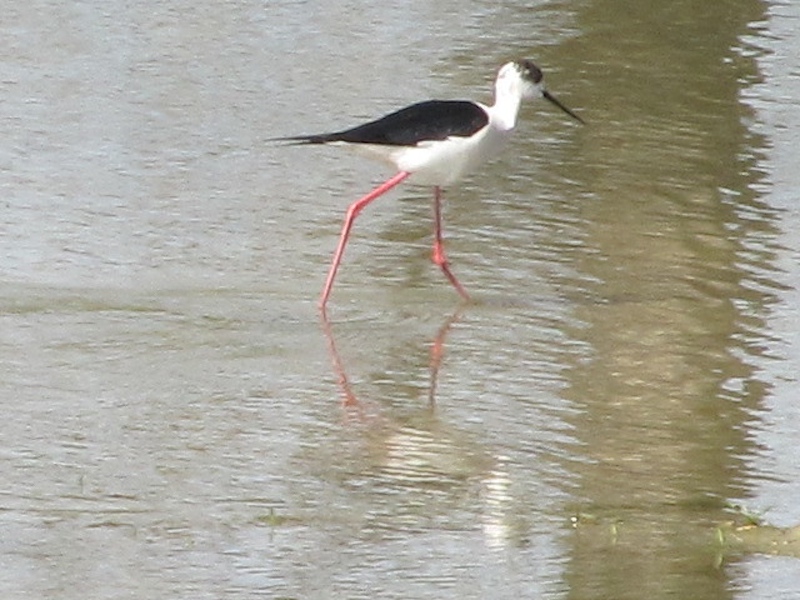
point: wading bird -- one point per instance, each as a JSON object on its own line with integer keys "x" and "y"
{"x": 437, "y": 142}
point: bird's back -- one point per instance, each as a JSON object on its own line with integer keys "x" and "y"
{"x": 425, "y": 121}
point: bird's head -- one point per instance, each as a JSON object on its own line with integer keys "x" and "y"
{"x": 522, "y": 78}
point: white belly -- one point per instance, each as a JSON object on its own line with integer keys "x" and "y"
{"x": 443, "y": 162}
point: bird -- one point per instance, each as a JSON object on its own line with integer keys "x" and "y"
{"x": 436, "y": 143}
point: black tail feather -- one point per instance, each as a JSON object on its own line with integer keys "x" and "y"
{"x": 297, "y": 140}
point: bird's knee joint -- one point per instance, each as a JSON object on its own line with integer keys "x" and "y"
{"x": 439, "y": 260}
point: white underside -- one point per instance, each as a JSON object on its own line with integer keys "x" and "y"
{"x": 443, "y": 162}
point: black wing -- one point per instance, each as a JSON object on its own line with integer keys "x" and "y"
{"x": 431, "y": 120}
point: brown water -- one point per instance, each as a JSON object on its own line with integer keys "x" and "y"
{"x": 179, "y": 422}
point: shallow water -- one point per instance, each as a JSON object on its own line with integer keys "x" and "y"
{"x": 180, "y": 422}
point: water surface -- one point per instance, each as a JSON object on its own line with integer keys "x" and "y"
{"x": 180, "y": 422}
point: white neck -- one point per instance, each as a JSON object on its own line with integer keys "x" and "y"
{"x": 507, "y": 99}
{"x": 505, "y": 111}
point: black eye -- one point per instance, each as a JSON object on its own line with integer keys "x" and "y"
{"x": 534, "y": 72}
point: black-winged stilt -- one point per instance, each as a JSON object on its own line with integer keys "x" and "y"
{"x": 438, "y": 142}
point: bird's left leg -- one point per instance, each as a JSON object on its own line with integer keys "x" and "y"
{"x": 352, "y": 212}
{"x": 438, "y": 246}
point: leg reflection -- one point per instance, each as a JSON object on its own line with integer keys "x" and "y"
{"x": 349, "y": 398}
{"x": 437, "y": 351}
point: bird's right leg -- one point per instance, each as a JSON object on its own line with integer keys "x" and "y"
{"x": 438, "y": 245}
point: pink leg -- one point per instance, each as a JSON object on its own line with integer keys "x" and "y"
{"x": 438, "y": 248}
{"x": 352, "y": 212}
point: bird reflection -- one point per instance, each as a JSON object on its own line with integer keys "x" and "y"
{"x": 427, "y": 465}
{"x": 437, "y": 351}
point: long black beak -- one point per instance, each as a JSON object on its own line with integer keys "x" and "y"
{"x": 548, "y": 96}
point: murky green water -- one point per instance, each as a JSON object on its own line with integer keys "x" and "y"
{"x": 179, "y": 421}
